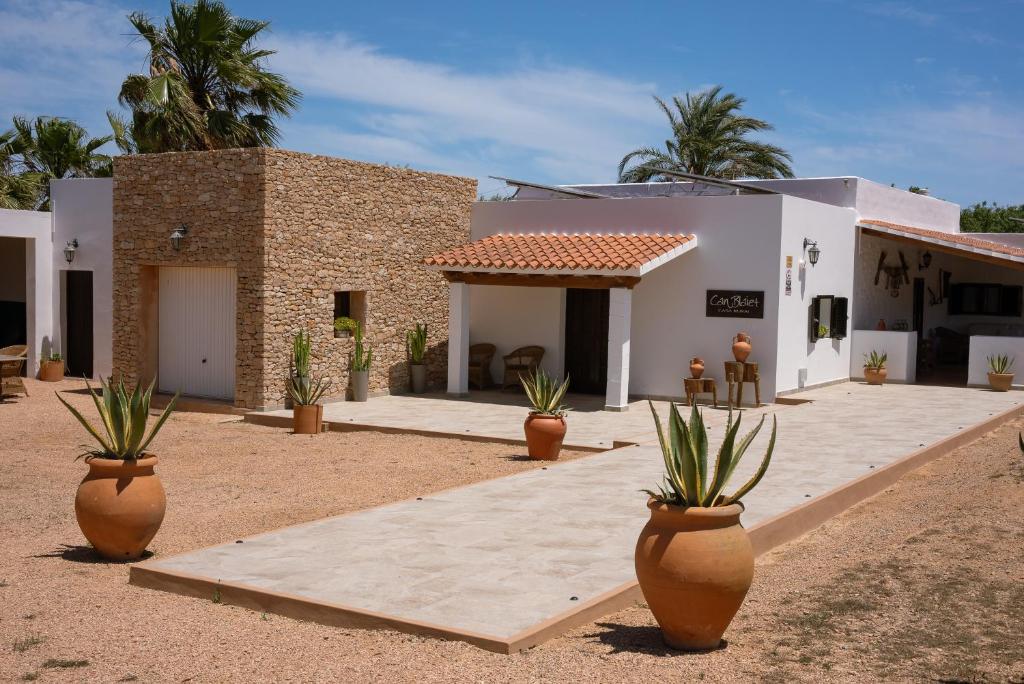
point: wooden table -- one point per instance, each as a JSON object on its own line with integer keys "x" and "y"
{"x": 695, "y": 386}
{"x": 737, "y": 373}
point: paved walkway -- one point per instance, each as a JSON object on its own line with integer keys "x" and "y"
{"x": 501, "y": 557}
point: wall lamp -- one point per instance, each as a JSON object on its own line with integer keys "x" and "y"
{"x": 813, "y": 253}
{"x": 177, "y": 236}
{"x": 70, "y": 248}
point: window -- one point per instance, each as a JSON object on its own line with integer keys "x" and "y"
{"x": 985, "y": 299}
{"x": 350, "y": 304}
{"x": 827, "y": 318}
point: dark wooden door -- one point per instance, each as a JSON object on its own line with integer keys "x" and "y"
{"x": 78, "y": 340}
{"x": 586, "y": 340}
{"x": 918, "y": 315}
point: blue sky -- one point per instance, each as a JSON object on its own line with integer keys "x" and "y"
{"x": 926, "y": 93}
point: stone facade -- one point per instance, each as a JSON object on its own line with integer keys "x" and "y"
{"x": 297, "y": 228}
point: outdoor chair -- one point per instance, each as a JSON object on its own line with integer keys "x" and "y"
{"x": 480, "y": 356}
{"x": 10, "y": 371}
{"x": 521, "y": 363}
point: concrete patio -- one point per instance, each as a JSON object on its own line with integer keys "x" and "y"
{"x": 511, "y": 562}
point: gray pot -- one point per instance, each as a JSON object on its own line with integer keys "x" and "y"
{"x": 418, "y": 374}
{"x": 360, "y": 385}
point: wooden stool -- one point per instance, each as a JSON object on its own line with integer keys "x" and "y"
{"x": 736, "y": 374}
{"x": 695, "y": 386}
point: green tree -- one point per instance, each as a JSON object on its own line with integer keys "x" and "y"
{"x": 206, "y": 87}
{"x": 709, "y": 138}
{"x": 992, "y": 218}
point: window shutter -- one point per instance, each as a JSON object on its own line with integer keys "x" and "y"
{"x": 839, "y": 318}
{"x": 813, "y": 318}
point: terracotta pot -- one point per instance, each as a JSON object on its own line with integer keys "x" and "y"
{"x": 51, "y": 371}
{"x": 694, "y": 566}
{"x": 544, "y": 436}
{"x": 1000, "y": 382}
{"x": 418, "y": 377}
{"x": 696, "y": 367}
{"x": 120, "y": 505}
{"x": 307, "y": 419}
{"x": 360, "y": 385}
{"x": 880, "y": 325}
{"x": 875, "y": 376}
{"x": 741, "y": 347}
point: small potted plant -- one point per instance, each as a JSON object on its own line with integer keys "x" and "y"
{"x": 51, "y": 367}
{"x": 874, "y": 367}
{"x": 999, "y": 376}
{"x": 416, "y": 341}
{"x": 305, "y": 392}
{"x": 120, "y": 503}
{"x": 362, "y": 357}
{"x": 545, "y": 426}
{"x": 345, "y": 326}
{"x": 694, "y": 561}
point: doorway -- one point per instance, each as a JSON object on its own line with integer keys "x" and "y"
{"x": 586, "y": 340}
{"x": 78, "y": 335}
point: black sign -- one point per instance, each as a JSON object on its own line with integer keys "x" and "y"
{"x": 735, "y": 304}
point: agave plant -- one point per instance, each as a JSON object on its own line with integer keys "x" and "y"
{"x": 875, "y": 361}
{"x": 362, "y": 356}
{"x": 686, "y": 461}
{"x": 124, "y": 417}
{"x": 305, "y": 391}
{"x": 999, "y": 364}
{"x": 545, "y": 394}
{"x": 416, "y": 340}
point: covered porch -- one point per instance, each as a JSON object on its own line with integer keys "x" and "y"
{"x": 565, "y": 263}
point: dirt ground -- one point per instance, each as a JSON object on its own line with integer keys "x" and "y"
{"x": 924, "y": 582}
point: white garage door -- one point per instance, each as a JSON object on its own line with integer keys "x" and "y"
{"x": 197, "y": 332}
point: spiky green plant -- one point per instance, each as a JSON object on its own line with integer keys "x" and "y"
{"x": 999, "y": 364}
{"x": 124, "y": 419}
{"x": 416, "y": 339}
{"x": 301, "y": 347}
{"x": 305, "y": 391}
{"x": 362, "y": 355}
{"x": 875, "y": 361}
{"x": 685, "y": 451}
{"x": 545, "y": 394}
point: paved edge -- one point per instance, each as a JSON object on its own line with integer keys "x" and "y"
{"x": 764, "y": 536}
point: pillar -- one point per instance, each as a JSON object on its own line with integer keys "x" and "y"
{"x": 620, "y": 305}
{"x": 458, "y": 339}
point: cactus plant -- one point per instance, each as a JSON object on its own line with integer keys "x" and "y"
{"x": 685, "y": 451}
{"x": 875, "y": 361}
{"x": 362, "y": 356}
{"x": 416, "y": 340}
{"x": 544, "y": 394}
{"x": 301, "y": 347}
{"x": 1001, "y": 364}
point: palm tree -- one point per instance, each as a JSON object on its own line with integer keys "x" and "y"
{"x": 206, "y": 88}
{"x": 709, "y": 138}
{"x": 18, "y": 189}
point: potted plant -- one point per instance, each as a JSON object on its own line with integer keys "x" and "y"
{"x": 362, "y": 357}
{"x": 120, "y": 503}
{"x": 51, "y": 367}
{"x": 999, "y": 376}
{"x": 416, "y": 340}
{"x": 874, "y": 367}
{"x": 307, "y": 413}
{"x": 694, "y": 561}
{"x": 345, "y": 326}
{"x": 545, "y": 426}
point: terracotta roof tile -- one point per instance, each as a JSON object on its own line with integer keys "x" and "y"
{"x": 964, "y": 239}
{"x": 559, "y": 251}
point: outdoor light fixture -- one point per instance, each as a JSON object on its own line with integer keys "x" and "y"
{"x": 69, "y": 250}
{"x": 926, "y": 261}
{"x": 813, "y": 253}
{"x": 177, "y": 236}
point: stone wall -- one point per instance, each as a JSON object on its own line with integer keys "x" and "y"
{"x": 297, "y": 228}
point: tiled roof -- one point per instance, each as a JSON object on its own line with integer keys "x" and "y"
{"x": 963, "y": 240}
{"x": 615, "y": 253}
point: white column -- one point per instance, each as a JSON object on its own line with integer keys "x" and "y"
{"x": 458, "y": 339}
{"x": 619, "y": 315}
{"x": 39, "y": 300}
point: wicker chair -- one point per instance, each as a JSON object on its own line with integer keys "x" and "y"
{"x": 10, "y": 371}
{"x": 480, "y": 356}
{"x": 521, "y": 362}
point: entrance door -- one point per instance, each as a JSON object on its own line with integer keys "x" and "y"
{"x": 586, "y": 340}
{"x": 78, "y": 316}
{"x": 918, "y": 313}
{"x": 197, "y": 332}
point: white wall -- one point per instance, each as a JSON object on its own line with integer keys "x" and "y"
{"x": 512, "y": 317}
{"x": 983, "y": 347}
{"x": 34, "y": 227}
{"x": 83, "y": 210}
{"x": 900, "y": 349}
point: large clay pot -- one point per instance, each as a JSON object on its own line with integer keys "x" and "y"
{"x": 544, "y": 436}
{"x": 696, "y": 367}
{"x": 51, "y": 371}
{"x": 694, "y": 566}
{"x": 418, "y": 377}
{"x": 307, "y": 419}
{"x": 360, "y": 385}
{"x": 1000, "y": 382}
{"x": 741, "y": 346}
{"x": 875, "y": 376}
{"x": 120, "y": 505}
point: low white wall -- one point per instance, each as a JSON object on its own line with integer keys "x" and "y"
{"x": 512, "y": 317}
{"x": 34, "y": 227}
{"x": 983, "y": 346}
{"x": 901, "y": 347}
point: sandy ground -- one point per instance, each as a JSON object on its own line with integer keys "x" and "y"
{"x": 923, "y": 582}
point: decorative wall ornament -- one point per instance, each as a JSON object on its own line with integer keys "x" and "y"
{"x": 895, "y": 275}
